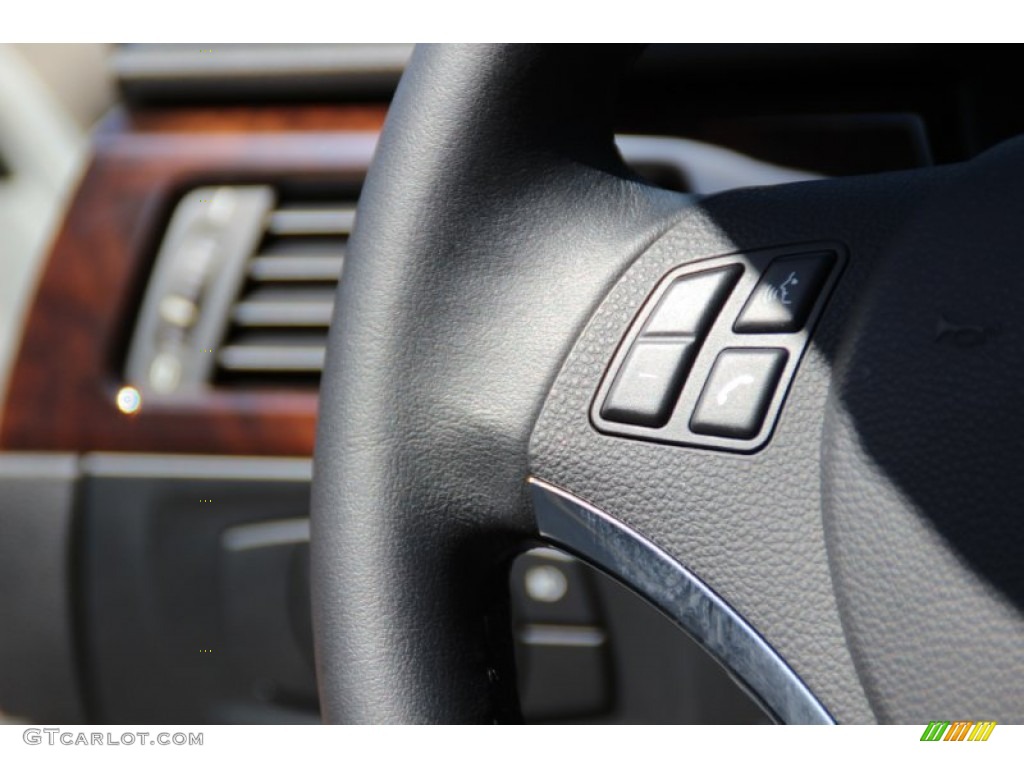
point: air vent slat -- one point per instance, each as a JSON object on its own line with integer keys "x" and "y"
{"x": 281, "y": 307}
{"x": 281, "y": 357}
{"x": 336, "y": 245}
{"x": 308, "y": 221}
{"x": 295, "y": 268}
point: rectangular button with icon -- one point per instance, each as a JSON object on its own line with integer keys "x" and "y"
{"x": 785, "y": 294}
{"x": 738, "y": 391}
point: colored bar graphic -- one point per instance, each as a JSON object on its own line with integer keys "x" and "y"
{"x": 958, "y": 730}
{"x": 982, "y": 730}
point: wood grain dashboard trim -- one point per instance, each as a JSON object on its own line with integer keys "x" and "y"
{"x": 62, "y": 389}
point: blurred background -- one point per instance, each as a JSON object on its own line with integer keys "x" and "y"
{"x": 51, "y": 96}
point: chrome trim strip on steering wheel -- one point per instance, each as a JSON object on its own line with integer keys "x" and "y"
{"x": 571, "y": 523}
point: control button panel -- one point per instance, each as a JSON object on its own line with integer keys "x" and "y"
{"x": 648, "y": 383}
{"x": 784, "y": 296}
{"x": 738, "y": 391}
{"x": 710, "y": 356}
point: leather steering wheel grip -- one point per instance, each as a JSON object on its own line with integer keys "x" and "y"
{"x": 460, "y": 300}
{"x": 501, "y": 255}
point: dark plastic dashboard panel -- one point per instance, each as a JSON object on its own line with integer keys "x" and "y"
{"x": 194, "y": 586}
{"x": 39, "y": 680}
{"x": 194, "y": 593}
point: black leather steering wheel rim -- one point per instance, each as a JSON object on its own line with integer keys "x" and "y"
{"x": 501, "y": 254}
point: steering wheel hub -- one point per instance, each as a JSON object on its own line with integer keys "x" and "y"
{"x": 503, "y": 253}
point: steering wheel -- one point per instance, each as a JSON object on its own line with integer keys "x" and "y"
{"x": 786, "y": 416}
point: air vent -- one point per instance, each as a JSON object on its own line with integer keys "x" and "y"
{"x": 243, "y": 288}
{"x": 277, "y": 327}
